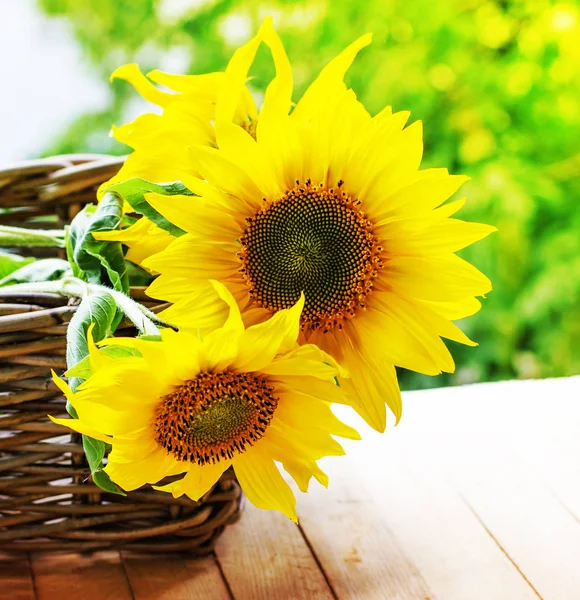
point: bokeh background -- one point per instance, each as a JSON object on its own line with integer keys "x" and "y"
{"x": 496, "y": 83}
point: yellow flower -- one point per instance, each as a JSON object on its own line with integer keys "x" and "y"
{"x": 329, "y": 201}
{"x": 199, "y": 404}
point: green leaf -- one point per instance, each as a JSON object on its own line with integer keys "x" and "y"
{"x": 138, "y": 276}
{"x": 105, "y": 483}
{"x": 94, "y": 451}
{"x": 133, "y": 191}
{"x": 12, "y": 262}
{"x": 99, "y": 309}
{"x": 48, "y": 269}
{"x": 96, "y": 261}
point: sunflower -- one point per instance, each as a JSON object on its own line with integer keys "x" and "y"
{"x": 160, "y": 142}
{"x": 329, "y": 201}
{"x": 197, "y": 405}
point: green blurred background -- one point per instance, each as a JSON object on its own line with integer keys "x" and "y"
{"x": 497, "y": 85}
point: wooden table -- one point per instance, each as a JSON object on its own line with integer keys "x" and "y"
{"x": 475, "y": 495}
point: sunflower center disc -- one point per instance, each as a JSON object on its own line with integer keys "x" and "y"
{"x": 313, "y": 240}
{"x": 215, "y": 415}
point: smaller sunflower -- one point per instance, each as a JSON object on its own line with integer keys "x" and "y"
{"x": 197, "y": 405}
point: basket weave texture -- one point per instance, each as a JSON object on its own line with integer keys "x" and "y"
{"x": 47, "y": 501}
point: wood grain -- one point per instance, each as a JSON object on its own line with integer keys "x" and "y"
{"x": 177, "y": 578}
{"x": 70, "y": 576}
{"x": 265, "y": 557}
{"x": 16, "y": 577}
{"x": 358, "y": 552}
{"x": 447, "y": 543}
{"x": 555, "y": 458}
{"x": 515, "y": 499}
{"x": 525, "y": 517}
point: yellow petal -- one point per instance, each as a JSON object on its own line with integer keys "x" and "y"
{"x": 331, "y": 76}
{"x": 261, "y": 343}
{"x": 151, "y": 468}
{"x": 293, "y": 405}
{"x": 353, "y": 118}
{"x": 198, "y": 480}
{"x": 300, "y": 468}
{"x": 132, "y": 74}
{"x": 178, "y": 210}
{"x": 311, "y": 443}
{"x": 199, "y": 312}
{"x": 82, "y": 427}
{"x": 312, "y": 387}
{"x": 376, "y": 146}
{"x": 182, "y": 350}
{"x": 429, "y": 189}
{"x": 233, "y": 83}
{"x": 400, "y": 164}
{"x": 262, "y": 482}
{"x": 373, "y": 381}
{"x": 279, "y": 92}
{"x": 220, "y": 347}
{"x": 193, "y": 258}
{"x": 203, "y": 86}
{"x": 436, "y": 279}
{"x": 277, "y": 135}
{"x": 62, "y": 386}
{"x": 233, "y": 324}
{"x": 114, "y": 421}
{"x": 413, "y": 343}
{"x": 455, "y": 309}
{"x": 143, "y": 239}
{"x": 212, "y": 165}
{"x": 238, "y": 146}
{"x": 195, "y": 216}
{"x": 305, "y": 360}
{"x": 171, "y": 288}
{"x": 440, "y": 238}
{"x": 98, "y": 359}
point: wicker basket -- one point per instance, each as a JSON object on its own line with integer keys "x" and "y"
{"x": 47, "y": 501}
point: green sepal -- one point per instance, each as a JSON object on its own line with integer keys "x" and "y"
{"x": 133, "y": 192}
{"x": 101, "y": 479}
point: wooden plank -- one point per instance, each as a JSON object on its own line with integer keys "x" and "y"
{"x": 174, "y": 577}
{"x": 522, "y": 513}
{"x": 551, "y": 448}
{"x": 473, "y": 445}
{"x": 454, "y": 553}
{"x": 16, "y": 577}
{"x": 264, "y": 556}
{"x": 71, "y": 576}
{"x": 356, "y": 549}
{"x": 556, "y": 460}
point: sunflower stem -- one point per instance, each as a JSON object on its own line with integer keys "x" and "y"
{"x": 31, "y": 238}
{"x": 144, "y": 320}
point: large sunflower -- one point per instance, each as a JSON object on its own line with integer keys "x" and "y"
{"x": 199, "y": 404}
{"x": 328, "y": 201}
